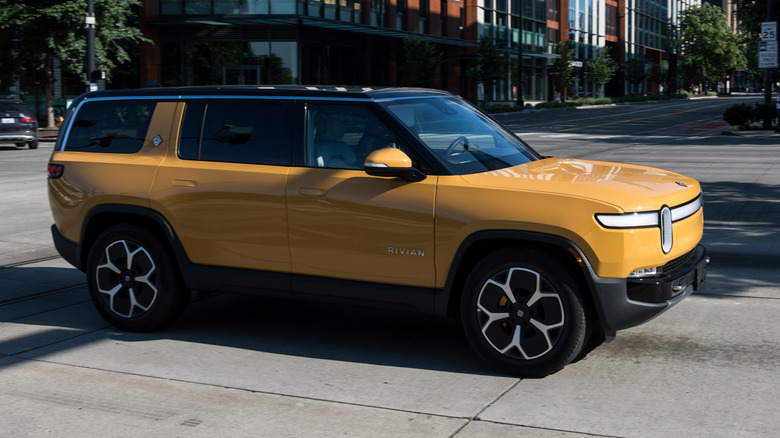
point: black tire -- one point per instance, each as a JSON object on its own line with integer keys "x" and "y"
{"x": 523, "y": 312}
{"x": 33, "y": 144}
{"x": 133, "y": 280}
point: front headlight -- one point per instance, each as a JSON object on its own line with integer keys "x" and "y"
{"x": 648, "y": 219}
{"x": 663, "y": 219}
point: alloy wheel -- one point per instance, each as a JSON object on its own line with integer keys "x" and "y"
{"x": 127, "y": 278}
{"x": 520, "y": 314}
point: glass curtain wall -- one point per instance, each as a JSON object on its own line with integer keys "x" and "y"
{"x": 191, "y": 63}
{"x": 649, "y": 25}
{"x": 587, "y": 29}
{"x": 510, "y": 26}
{"x": 227, "y": 7}
{"x": 235, "y": 55}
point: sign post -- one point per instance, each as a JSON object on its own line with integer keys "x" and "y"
{"x": 767, "y": 47}
{"x": 767, "y": 57}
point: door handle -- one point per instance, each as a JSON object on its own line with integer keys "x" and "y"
{"x": 307, "y": 191}
{"x": 185, "y": 183}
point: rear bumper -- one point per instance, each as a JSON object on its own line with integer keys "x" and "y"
{"x": 627, "y": 303}
{"x": 30, "y": 136}
{"x": 67, "y": 249}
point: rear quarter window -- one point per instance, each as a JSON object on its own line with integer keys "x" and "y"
{"x": 117, "y": 127}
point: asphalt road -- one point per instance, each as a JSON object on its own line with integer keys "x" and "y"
{"x": 246, "y": 366}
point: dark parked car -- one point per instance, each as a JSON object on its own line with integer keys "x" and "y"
{"x": 17, "y": 124}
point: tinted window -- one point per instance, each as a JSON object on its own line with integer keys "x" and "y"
{"x": 246, "y": 131}
{"x": 465, "y": 140}
{"x": 110, "y": 126}
{"x": 13, "y": 107}
{"x": 342, "y": 135}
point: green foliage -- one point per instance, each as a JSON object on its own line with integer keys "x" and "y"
{"x": 491, "y": 65}
{"x": 740, "y": 115}
{"x": 709, "y": 48}
{"x": 601, "y": 69}
{"x": 743, "y": 115}
{"x": 421, "y": 60}
{"x": 751, "y": 13}
{"x": 562, "y": 70}
{"x": 501, "y": 108}
{"x": 635, "y": 70}
{"x": 765, "y": 111}
{"x": 48, "y": 29}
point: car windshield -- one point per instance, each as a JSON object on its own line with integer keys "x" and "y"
{"x": 463, "y": 138}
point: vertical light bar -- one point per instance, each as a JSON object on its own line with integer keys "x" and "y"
{"x": 665, "y": 220}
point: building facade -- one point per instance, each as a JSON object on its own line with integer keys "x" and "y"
{"x": 360, "y": 42}
{"x": 257, "y": 42}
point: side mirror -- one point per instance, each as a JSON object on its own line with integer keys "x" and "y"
{"x": 392, "y": 162}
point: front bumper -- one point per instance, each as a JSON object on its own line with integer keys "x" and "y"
{"x": 627, "y": 303}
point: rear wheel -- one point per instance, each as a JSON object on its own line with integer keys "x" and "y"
{"x": 133, "y": 281}
{"x": 33, "y": 144}
{"x": 523, "y": 312}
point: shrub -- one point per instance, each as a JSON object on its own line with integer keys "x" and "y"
{"x": 764, "y": 110}
{"x": 498, "y": 108}
{"x": 559, "y": 104}
{"x": 740, "y": 115}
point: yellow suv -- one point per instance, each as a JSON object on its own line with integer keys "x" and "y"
{"x": 407, "y": 198}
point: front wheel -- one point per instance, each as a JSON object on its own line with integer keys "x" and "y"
{"x": 133, "y": 280}
{"x": 522, "y": 312}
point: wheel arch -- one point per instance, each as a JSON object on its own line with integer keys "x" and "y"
{"x": 101, "y": 217}
{"x": 481, "y": 243}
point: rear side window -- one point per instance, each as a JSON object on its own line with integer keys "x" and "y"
{"x": 13, "y": 108}
{"x": 239, "y": 131}
{"x": 114, "y": 126}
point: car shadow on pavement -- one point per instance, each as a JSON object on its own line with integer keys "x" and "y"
{"x": 54, "y": 315}
{"x": 328, "y": 331}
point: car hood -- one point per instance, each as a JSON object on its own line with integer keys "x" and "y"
{"x": 626, "y": 186}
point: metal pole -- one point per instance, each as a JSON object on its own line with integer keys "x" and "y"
{"x": 520, "y": 102}
{"x": 90, "y": 25}
{"x": 768, "y": 73}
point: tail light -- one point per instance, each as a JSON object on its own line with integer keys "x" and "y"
{"x": 28, "y": 119}
{"x": 55, "y": 170}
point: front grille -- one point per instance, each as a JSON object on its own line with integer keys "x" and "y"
{"x": 677, "y": 263}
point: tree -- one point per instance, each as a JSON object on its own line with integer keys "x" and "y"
{"x": 707, "y": 44}
{"x": 751, "y": 13}
{"x": 601, "y": 69}
{"x": 636, "y": 73}
{"x": 421, "y": 59}
{"x": 40, "y": 31}
{"x": 563, "y": 70}
{"x": 491, "y": 65}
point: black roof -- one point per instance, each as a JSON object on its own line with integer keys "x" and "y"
{"x": 332, "y": 91}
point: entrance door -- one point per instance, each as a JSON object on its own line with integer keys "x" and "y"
{"x": 241, "y": 75}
